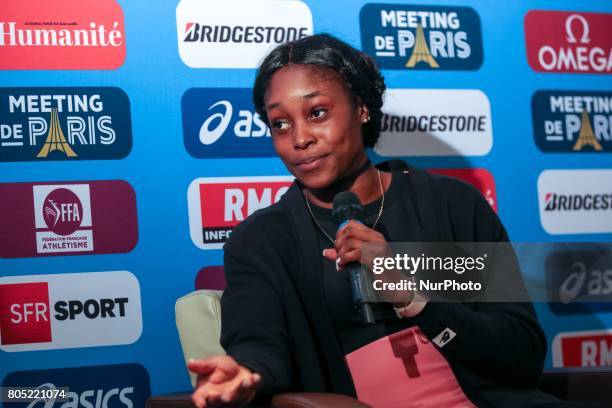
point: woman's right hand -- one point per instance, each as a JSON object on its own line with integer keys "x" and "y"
{"x": 222, "y": 382}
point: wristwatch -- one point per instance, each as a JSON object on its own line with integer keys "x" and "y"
{"x": 414, "y": 306}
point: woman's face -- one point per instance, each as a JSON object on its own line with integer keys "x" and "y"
{"x": 315, "y": 124}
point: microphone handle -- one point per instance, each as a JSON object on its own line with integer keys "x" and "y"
{"x": 367, "y": 315}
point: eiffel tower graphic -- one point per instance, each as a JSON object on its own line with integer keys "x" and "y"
{"x": 55, "y": 139}
{"x": 421, "y": 51}
{"x": 586, "y": 136}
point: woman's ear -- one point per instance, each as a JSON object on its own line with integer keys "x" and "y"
{"x": 364, "y": 113}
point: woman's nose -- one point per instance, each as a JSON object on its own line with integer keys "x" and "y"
{"x": 304, "y": 137}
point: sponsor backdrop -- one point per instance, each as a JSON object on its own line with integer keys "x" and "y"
{"x": 129, "y": 149}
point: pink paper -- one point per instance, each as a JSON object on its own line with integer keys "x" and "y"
{"x": 404, "y": 370}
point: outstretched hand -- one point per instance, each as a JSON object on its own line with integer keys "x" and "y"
{"x": 222, "y": 382}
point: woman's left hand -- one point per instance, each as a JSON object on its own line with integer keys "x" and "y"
{"x": 349, "y": 245}
{"x": 356, "y": 242}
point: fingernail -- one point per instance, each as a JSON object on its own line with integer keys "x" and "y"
{"x": 191, "y": 360}
{"x": 338, "y": 260}
{"x": 225, "y": 398}
{"x": 324, "y": 252}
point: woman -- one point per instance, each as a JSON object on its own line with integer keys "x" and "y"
{"x": 287, "y": 318}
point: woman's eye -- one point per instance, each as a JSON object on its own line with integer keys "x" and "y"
{"x": 318, "y": 113}
{"x": 280, "y": 125}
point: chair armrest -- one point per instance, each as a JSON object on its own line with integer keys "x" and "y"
{"x": 177, "y": 400}
{"x": 582, "y": 386}
{"x": 288, "y": 400}
{"x": 315, "y": 400}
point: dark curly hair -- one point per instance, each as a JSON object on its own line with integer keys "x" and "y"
{"x": 359, "y": 71}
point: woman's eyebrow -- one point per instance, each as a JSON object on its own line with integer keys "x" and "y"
{"x": 313, "y": 94}
{"x": 306, "y": 96}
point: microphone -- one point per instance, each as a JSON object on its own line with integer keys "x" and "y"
{"x": 347, "y": 207}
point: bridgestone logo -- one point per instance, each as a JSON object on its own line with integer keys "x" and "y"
{"x": 575, "y": 201}
{"x": 243, "y": 34}
{"x": 435, "y": 123}
{"x": 237, "y": 34}
{"x": 562, "y": 202}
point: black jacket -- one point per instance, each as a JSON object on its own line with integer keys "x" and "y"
{"x": 275, "y": 321}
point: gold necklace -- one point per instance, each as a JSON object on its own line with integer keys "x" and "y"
{"x": 380, "y": 211}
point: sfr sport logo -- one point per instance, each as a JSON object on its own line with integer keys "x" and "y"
{"x": 74, "y": 310}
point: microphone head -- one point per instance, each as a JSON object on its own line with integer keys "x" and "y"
{"x": 347, "y": 207}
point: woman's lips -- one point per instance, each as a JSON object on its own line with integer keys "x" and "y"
{"x": 311, "y": 164}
